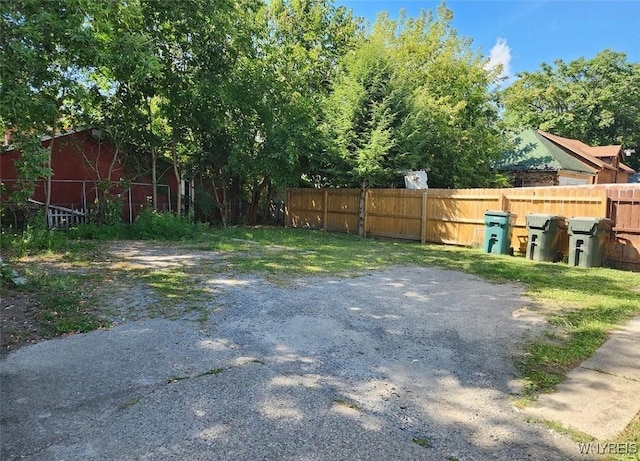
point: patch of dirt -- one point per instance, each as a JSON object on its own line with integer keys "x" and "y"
{"x": 113, "y": 279}
{"x": 17, "y": 325}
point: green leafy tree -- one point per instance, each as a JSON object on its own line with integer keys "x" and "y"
{"x": 594, "y": 100}
{"x": 411, "y": 96}
{"x": 359, "y": 118}
{"x": 280, "y": 88}
{"x": 46, "y": 53}
{"x": 448, "y": 104}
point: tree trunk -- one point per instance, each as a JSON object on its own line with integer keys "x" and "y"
{"x": 361, "y": 209}
{"x": 176, "y": 172}
{"x": 154, "y": 162}
{"x": 47, "y": 190}
{"x": 222, "y": 203}
{"x": 255, "y": 200}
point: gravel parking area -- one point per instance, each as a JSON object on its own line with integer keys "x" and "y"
{"x": 406, "y": 363}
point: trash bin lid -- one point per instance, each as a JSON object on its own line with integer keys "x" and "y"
{"x": 504, "y": 214}
{"x": 500, "y": 217}
{"x": 542, "y": 220}
{"x": 588, "y": 225}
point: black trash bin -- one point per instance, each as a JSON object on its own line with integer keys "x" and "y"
{"x": 587, "y": 237}
{"x": 545, "y": 236}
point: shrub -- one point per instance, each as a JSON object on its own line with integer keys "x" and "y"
{"x": 150, "y": 225}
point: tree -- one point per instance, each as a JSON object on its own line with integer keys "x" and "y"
{"x": 594, "y": 100}
{"x": 450, "y": 117}
{"x": 46, "y": 52}
{"x": 411, "y": 96}
{"x": 279, "y": 92}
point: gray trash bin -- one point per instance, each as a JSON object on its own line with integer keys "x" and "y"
{"x": 587, "y": 237}
{"x": 545, "y": 235}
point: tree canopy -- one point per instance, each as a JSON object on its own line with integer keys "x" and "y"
{"x": 594, "y": 100}
{"x": 249, "y": 96}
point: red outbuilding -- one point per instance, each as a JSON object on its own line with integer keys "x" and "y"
{"x": 83, "y": 162}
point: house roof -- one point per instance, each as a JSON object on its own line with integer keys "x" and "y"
{"x": 9, "y": 147}
{"x": 579, "y": 149}
{"x": 533, "y": 151}
{"x": 626, "y": 168}
{"x": 605, "y": 151}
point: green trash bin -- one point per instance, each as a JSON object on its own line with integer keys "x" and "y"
{"x": 545, "y": 235}
{"x": 587, "y": 237}
{"x": 498, "y": 228}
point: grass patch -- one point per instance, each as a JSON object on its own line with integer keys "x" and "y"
{"x": 62, "y": 305}
{"x": 631, "y": 435}
{"x": 574, "y": 434}
{"x": 177, "y": 293}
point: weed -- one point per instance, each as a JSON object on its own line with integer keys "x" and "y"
{"x": 574, "y": 434}
{"x": 62, "y": 305}
{"x": 213, "y": 371}
{"x": 128, "y": 404}
{"x": 346, "y": 404}
{"x": 422, "y": 441}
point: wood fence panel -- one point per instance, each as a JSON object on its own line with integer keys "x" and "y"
{"x": 457, "y": 216}
{"x": 342, "y": 210}
{"x": 395, "y": 213}
{"x": 305, "y": 208}
{"x": 623, "y": 249}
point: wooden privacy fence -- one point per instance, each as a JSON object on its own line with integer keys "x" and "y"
{"x": 456, "y": 216}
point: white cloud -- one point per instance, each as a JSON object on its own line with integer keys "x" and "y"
{"x": 501, "y": 55}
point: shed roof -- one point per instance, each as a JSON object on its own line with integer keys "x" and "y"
{"x": 605, "y": 151}
{"x": 533, "y": 151}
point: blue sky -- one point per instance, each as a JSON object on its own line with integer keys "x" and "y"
{"x": 525, "y": 33}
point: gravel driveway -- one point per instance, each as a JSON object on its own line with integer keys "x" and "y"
{"x": 402, "y": 364}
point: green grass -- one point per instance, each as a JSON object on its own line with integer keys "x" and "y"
{"x": 63, "y": 306}
{"x": 177, "y": 293}
{"x": 631, "y": 435}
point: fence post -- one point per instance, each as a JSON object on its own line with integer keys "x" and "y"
{"x": 423, "y": 226}
{"x": 287, "y": 211}
{"x": 325, "y": 211}
{"x": 503, "y": 201}
{"x": 130, "y": 207}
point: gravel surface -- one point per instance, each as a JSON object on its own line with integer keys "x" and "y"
{"x": 327, "y": 368}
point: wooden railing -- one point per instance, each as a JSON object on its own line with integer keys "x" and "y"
{"x": 59, "y": 217}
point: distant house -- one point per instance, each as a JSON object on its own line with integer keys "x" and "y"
{"x": 81, "y": 161}
{"x": 543, "y": 159}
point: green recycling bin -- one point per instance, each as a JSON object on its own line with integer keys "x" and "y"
{"x": 587, "y": 237}
{"x": 545, "y": 235}
{"x": 498, "y": 228}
